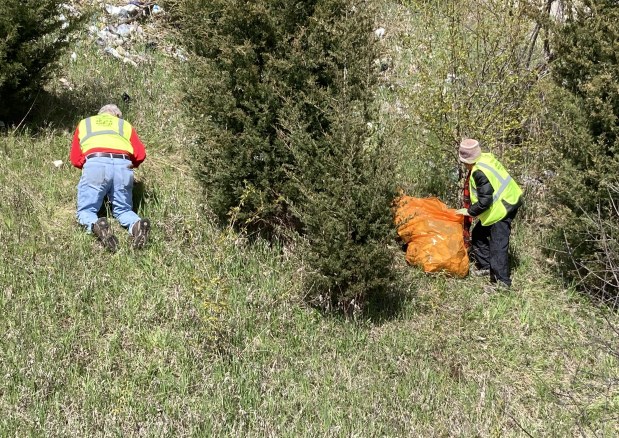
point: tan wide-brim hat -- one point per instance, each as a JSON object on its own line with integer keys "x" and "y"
{"x": 469, "y": 151}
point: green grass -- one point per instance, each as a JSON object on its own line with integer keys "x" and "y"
{"x": 205, "y": 334}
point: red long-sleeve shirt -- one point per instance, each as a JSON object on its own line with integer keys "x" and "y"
{"x": 78, "y": 158}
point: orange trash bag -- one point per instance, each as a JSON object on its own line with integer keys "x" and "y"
{"x": 433, "y": 233}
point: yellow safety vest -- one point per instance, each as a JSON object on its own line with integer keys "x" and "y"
{"x": 505, "y": 188}
{"x": 105, "y": 131}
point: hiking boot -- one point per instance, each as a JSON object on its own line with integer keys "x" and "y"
{"x": 140, "y": 231}
{"x": 102, "y": 230}
{"x": 497, "y": 287}
{"x": 478, "y": 272}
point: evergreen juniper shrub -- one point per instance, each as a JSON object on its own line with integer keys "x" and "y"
{"x": 282, "y": 93}
{"x": 34, "y": 34}
{"x": 587, "y": 186}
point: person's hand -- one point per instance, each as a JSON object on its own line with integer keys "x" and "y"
{"x": 462, "y": 212}
{"x": 130, "y": 166}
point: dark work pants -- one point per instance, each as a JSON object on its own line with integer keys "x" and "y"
{"x": 490, "y": 246}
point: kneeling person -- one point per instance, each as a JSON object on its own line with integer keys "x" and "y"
{"x": 107, "y": 149}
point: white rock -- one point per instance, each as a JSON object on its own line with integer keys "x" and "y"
{"x": 113, "y": 10}
{"x": 380, "y": 32}
{"x": 57, "y": 163}
{"x": 124, "y": 30}
{"x": 451, "y": 78}
{"x": 62, "y": 18}
{"x": 65, "y": 83}
{"x": 121, "y": 11}
{"x": 178, "y": 54}
{"x": 117, "y": 55}
{"x": 112, "y": 52}
{"x": 129, "y": 61}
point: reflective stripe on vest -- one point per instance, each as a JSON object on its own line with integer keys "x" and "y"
{"x": 89, "y": 133}
{"x": 504, "y": 182}
{"x": 105, "y": 132}
{"x": 505, "y": 189}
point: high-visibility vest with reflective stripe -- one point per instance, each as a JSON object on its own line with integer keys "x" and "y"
{"x": 505, "y": 188}
{"x": 105, "y": 131}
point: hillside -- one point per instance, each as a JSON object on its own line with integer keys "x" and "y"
{"x": 204, "y": 333}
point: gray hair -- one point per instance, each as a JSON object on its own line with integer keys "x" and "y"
{"x": 111, "y": 109}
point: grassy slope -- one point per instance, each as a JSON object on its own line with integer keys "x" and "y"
{"x": 202, "y": 333}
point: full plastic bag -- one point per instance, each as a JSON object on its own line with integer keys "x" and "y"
{"x": 433, "y": 234}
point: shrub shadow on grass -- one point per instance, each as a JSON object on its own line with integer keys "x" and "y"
{"x": 378, "y": 309}
{"x": 65, "y": 108}
{"x": 141, "y": 196}
{"x": 385, "y": 306}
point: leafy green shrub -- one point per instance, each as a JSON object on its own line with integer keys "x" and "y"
{"x": 34, "y": 35}
{"x": 282, "y": 96}
{"x": 470, "y": 75}
{"x": 587, "y": 185}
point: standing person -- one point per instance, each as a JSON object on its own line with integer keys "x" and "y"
{"x": 107, "y": 149}
{"x": 495, "y": 199}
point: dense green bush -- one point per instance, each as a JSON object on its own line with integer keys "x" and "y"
{"x": 343, "y": 173}
{"x": 33, "y": 36}
{"x": 233, "y": 94}
{"x": 587, "y": 185}
{"x": 282, "y": 94}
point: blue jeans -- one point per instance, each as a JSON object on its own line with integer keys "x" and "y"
{"x": 106, "y": 176}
